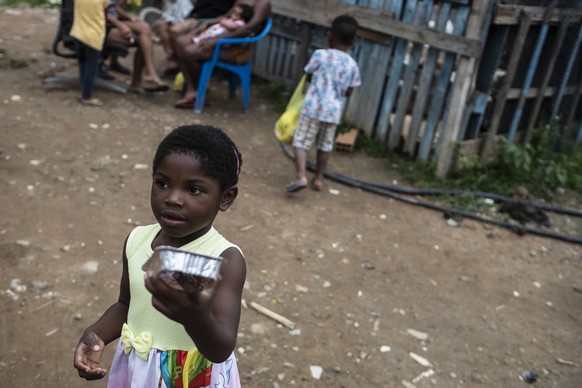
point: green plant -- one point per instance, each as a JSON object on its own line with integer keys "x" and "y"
{"x": 32, "y": 3}
{"x": 536, "y": 166}
{"x": 277, "y": 94}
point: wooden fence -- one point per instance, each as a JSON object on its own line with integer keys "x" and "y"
{"x": 439, "y": 76}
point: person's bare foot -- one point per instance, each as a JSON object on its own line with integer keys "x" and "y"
{"x": 317, "y": 185}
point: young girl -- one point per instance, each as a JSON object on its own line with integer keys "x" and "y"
{"x": 172, "y": 337}
{"x": 88, "y": 30}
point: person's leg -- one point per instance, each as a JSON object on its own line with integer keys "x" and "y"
{"x": 302, "y": 142}
{"x": 136, "y": 77}
{"x": 143, "y": 36}
{"x": 325, "y": 139}
{"x": 80, "y": 52}
{"x": 166, "y": 41}
{"x": 300, "y": 165}
{"x": 92, "y": 57}
{"x": 322, "y": 159}
{"x": 190, "y": 56}
{"x": 115, "y": 35}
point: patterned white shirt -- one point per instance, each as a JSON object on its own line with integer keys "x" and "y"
{"x": 175, "y": 11}
{"x": 332, "y": 73}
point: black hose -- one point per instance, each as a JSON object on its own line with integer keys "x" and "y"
{"x": 395, "y": 191}
{"x": 496, "y": 197}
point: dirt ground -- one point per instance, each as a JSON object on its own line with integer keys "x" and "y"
{"x": 381, "y": 293}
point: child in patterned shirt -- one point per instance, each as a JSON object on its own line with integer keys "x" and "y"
{"x": 332, "y": 74}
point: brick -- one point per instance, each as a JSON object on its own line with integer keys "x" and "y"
{"x": 345, "y": 142}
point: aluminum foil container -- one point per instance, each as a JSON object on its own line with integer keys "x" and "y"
{"x": 170, "y": 259}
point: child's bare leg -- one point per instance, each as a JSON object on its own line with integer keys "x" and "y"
{"x": 322, "y": 159}
{"x": 300, "y": 165}
{"x": 300, "y": 181}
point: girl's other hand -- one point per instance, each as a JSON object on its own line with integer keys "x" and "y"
{"x": 87, "y": 356}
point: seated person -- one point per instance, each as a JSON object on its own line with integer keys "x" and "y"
{"x": 241, "y": 14}
{"x": 130, "y": 30}
{"x": 204, "y": 10}
{"x": 190, "y": 55}
{"x": 174, "y": 12}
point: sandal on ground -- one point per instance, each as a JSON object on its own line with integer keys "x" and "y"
{"x": 156, "y": 88}
{"x": 91, "y": 102}
{"x": 187, "y": 103}
{"x": 294, "y": 187}
{"x": 135, "y": 90}
{"x": 119, "y": 68}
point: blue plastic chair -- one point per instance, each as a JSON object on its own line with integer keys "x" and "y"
{"x": 242, "y": 71}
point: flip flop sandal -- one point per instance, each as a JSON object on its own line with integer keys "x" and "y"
{"x": 294, "y": 187}
{"x": 134, "y": 90}
{"x": 189, "y": 104}
{"x": 185, "y": 104}
{"x": 91, "y": 102}
{"x": 157, "y": 88}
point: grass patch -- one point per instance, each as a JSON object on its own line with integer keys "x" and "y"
{"x": 32, "y": 3}
{"x": 543, "y": 167}
{"x": 278, "y": 95}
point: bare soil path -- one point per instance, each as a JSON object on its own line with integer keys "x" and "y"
{"x": 369, "y": 282}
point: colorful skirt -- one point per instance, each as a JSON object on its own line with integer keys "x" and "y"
{"x": 170, "y": 369}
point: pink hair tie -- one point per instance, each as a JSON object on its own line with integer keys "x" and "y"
{"x": 237, "y": 161}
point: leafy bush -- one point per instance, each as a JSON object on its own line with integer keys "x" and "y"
{"x": 538, "y": 166}
{"x": 32, "y": 3}
{"x": 277, "y": 94}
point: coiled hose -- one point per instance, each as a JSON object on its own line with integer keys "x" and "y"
{"x": 396, "y": 192}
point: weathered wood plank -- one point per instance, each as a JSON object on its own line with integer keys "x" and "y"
{"x": 391, "y": 92}
{"x": 407, "y": 87}
{"x": 544, "y": 90}
{"x": 566, "y": 78}
{"x": 501, "y": 96}
{"x": 573, "y": 107}
{"x": 548, "y": 91}
{"x": 532, "y": 67}
{"x": 509, "y": 14}
{"x": 323, "y": 12}
{"x": 480, "y": 11}
{"x": 373, "y": 60}
{"x": 439, "y": 91}
{"x": 424, "y": 87}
